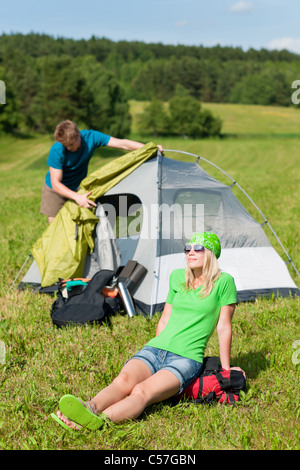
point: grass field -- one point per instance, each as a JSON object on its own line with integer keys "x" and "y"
{"x": 245, "y": 120}
{"x": 260, "y": 151}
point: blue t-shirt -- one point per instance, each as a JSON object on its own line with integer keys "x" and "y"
{"x": 75, "y": 164}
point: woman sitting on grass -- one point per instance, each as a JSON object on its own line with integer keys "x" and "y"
{"x": 200, "y": 298}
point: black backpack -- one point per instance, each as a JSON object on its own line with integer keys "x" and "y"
{"x": 84, "y": 303}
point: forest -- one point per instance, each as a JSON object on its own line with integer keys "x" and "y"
{"x": 90, "y": 81}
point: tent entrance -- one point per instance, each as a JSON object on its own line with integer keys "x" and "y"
{"x": 124, "y": 212}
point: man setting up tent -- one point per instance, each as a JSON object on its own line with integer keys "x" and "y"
{"x": 68, "y": 163}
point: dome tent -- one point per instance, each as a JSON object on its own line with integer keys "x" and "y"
{"x": 151, "y": 211}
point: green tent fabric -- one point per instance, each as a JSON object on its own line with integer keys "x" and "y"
{"x": 62, "y": 249}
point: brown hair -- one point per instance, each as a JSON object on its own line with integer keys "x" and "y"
{"x": 66, "y": 132}
{"x": 211, "y": 273}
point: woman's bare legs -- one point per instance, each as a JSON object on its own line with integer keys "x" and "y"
{"x": 131, "y": 391}
{"x": 134, "y": 372}
{"x": 160, "y": 386}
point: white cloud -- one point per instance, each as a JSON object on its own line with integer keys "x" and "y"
{"x": 241, "y": 7}
{"x": 291, "y": 44}
{"x": 181, "y": 24}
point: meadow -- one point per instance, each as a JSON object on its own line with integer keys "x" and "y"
{"x": 39, "y": 363}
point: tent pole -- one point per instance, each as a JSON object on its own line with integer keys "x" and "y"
{"x": 158, "y": 232}
{"x": 21, "y": 269}
{"x": 247, "y": 195}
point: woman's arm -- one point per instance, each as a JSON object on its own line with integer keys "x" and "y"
{"x": 164, "y": 318}
{"x": 224, "y": 331}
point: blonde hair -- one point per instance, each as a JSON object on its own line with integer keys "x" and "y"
{"x": 211, "y": 272}
{"x": 66, "y": 132}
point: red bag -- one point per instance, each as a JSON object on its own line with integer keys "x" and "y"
{"x": 215, "y": 384}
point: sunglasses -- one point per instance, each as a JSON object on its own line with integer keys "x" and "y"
{"x": 195, "y": 248}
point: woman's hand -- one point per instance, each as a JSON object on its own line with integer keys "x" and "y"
{"x": 238, "y": 369}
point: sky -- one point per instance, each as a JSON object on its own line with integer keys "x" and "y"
{"x": 270, "y": 24}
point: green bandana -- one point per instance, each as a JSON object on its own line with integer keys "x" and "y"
{"x": 209, "y": 240}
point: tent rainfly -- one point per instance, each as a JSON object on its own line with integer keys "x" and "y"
{"x": 148, "y": 207}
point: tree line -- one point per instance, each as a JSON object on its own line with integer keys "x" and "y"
{"x": 91, "y": 81}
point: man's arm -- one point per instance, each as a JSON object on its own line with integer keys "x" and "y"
{"x": 81, "y": 199}
{"x": 126, "y": 144}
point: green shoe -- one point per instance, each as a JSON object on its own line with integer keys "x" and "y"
{"x": 75, "y": 410}
{"x": 60, "y": 422}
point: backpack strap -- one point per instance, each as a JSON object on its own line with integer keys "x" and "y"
{"x": 210, "y": 398}
{"x": 225, "y": 383}
{"x": 227, "y": 398}
{"x": 231, "y": 399}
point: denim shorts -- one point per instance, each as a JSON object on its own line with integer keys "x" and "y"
{"x": 186, "y": 370}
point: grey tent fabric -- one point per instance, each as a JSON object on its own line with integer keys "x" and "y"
{"x": 188, "y": 184}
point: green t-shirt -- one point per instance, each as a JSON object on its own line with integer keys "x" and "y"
{"x": 193, "y": 319}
